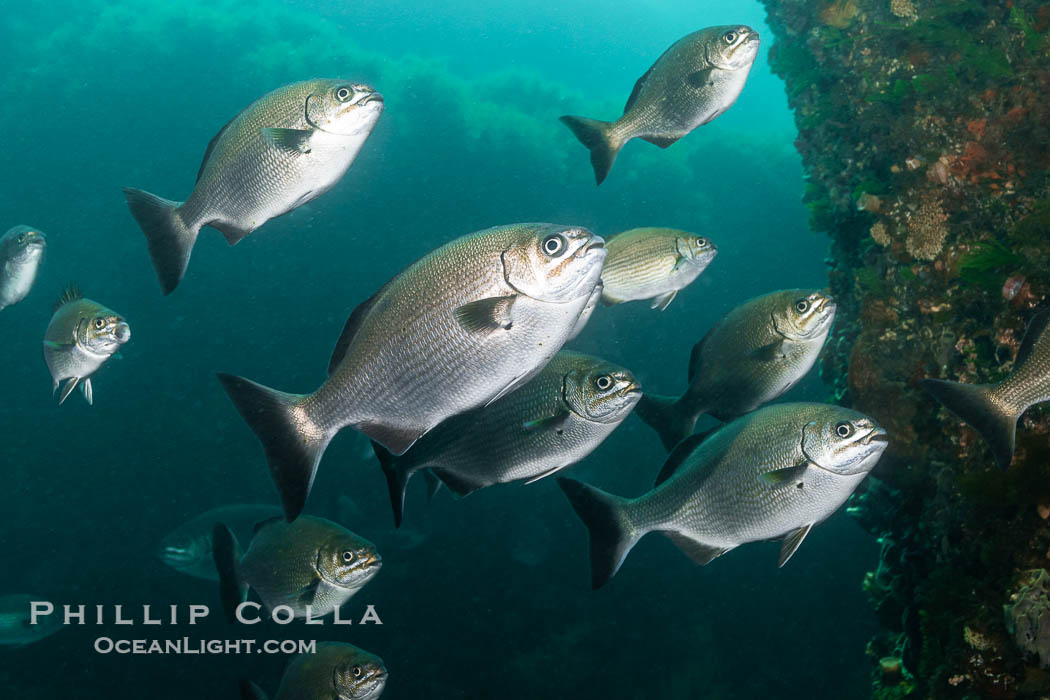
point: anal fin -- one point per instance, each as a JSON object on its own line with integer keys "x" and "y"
{"x": 459, "y": 485}
{"x": 395, "y": 438}
{"x": 70, "y": 385}
{"x": 791, "y": 543}
{"x": 661, "y": 302}
{"x": 699, "y": 552}
{"x": 231, "y": 232}
{"x": 85, "y": 387}
{"x": 661, "y": 141}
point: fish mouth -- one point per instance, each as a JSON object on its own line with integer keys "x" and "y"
{"x": 122, "y": 333}
{"x": 631, "y": 389}
{"x": 371, "y": 97}
{"x": 596, "y": 243}
{"x": 878, "y": 436}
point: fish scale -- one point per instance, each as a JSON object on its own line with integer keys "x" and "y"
{"x": 648, "y": 263}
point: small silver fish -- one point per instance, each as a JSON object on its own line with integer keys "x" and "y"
{"x": 336, "y": 671}
{"x": 653, "y": 263}
{"x": 755, "y": 354}
{"x": 187, "y": 548}
{"x": 695, "y": 80}
{"x": 994, "y": 409}
{"x": 554, "y": 421}
{"x": 772, "y": 474}
{"x": 284, "y": 150}
{"x": 82, "y": 335}
{"x": 16, "y": 620}
{"x": 312, "y": 565}
{"x": 458, "y": 329}
{"x": 21, "y": 252}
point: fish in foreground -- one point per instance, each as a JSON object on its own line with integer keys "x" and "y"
{"x": 21, "y": 252}
{"x": 772, "y": 474}
{"x": 312, "y": 566}
{"x": 282, "y": 151}
{"x": 187, "y": 548}
{"x": 753, "y": 355}
{"x": 695, "y": 80}
{"x": 994, "y": 409}
{"x": 82, "y": 335}
{"x": 458, "y": 329}
{"x": 336, "y": 671}
{"x": 555, "y": 420}
{"x": 16, "y": 621}
{"x": 653, "y": 263}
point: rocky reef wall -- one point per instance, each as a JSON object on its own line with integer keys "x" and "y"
{"x": 924, "y": 127}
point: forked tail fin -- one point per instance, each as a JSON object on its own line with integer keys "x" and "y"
{"x": 977, "y": 405}
{"x": 612, "y": 534}
{"x": 598, "y": 138}
{"x": 293, "y": 445}
{"x": 169, "y": 239}
{"x": 667, "y": 416}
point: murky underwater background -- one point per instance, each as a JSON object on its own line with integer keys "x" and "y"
{"x": 484, "y": 597}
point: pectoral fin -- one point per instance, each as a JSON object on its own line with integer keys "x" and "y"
{"x": 661, "y": 302}
{"x": 555, "y": 423}
{"x": 307, "y": 594}
{"x": 486, "y": 316}
{"x": 787, "y": 475}
{"x": 514, "y": 384}
{"x": 68, "y": 389}
{"x": 55, "y": 346}
{"x": 777, "y": 350}
{"x": 293, "y": 141}
{"x": 791, "y": 543}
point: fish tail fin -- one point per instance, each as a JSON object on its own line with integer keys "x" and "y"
{"x": 396, "y": 480}
{"x": 977, "y": 405}
{"x": 225, "y": 553}
{"x": 612, "y": 532}
{"x": 293, "y": 444}
{"x": 598, "y": 137}
{"x": 250, "y": 691}
{"x": 666, "y": 415}
{"x": 169, "y": 239}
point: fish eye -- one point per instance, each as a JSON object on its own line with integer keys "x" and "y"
{"x": 99, "y": 323}
{"x": 603, "y": 382}
{"x": 802, "y": 306}
{"x": 21, "y": 238}
{"x": 344, "y": 93}
{"x": 348, "y": 556}
{"x": 552, "y": 245}
{"x": 357, "y": 671}
{"x": 844, "y": 429}
{"x": 729, "y": 37}
{"x": 701, "y": 242}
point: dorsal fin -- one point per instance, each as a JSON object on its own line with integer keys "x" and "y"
{"x": 263, "y": 523}
{"x": 677, "y": 456}
{"x": 641, "y": 81}
{"x": 1036, "y": 328}
{"x": 70, "y": 293}
{"x": 213, "y": 142}
{"x": 350, "y": 329}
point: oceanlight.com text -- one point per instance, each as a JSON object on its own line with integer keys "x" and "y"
{"x": 187, "y": 646}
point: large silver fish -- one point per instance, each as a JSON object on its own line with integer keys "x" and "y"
{"x": 994, "y": 409}
{"x": 21, "y": 252}
{"x": 458, "y": 329}
{"x": 772, "y": 474}
{"x": 555, "y": 420}
{"x": 753, "y": 355}
{"x": 312, "y": 565}
{"x": 285, "y": 149}
{"x": 695, "y": 80}
{"x": 82, "y": 335}
{"x": 336, "y": 671}
{"x": 187, "y": 548}
{"x": 653, "y": 263}
{"x": 16, "y": 620}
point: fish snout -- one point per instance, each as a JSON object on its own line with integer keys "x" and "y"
{"x": 371, "y": 96}
{"x": 122, "y": 332}
{"x": 877, "y": 435}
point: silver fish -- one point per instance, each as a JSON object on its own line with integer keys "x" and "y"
{"x": 82, "y": 335}
{"x": 772, "y": 474}
{"x": 282, "y": 151}
{"x": 555, "y": 420}
{"x": 653, "y": 263}
{"x": 16, "y": 621}
{"x": 458, "y": 329}
{"x": 695, "y": 80}
{"x": 187, "y": 548}
{"x": 994, "y": 409}
{"x": 336, "y": 671}
{"x": 21, "y": 252}
{"x": 588, "y": 310}
{"x": 753, "y": 355}
{"x": 312, "y": 565}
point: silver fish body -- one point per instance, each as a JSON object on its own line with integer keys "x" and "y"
{"x": 336, "y": 671}
{"x": 459, "y": 329}
{"x": 772, "y": 474}
{"x": 698, "y": 78}
{"x": 588, "y": 310}
{"x": 21, "y": 253}
{"x": 284, "y": 150}
{"x": 552, "y": 422}
{"x": 653, "y": 264}
{"x": 187, "y": 548}
{"x": 312, "y": 565}
{"x": 16, "y": 621}
{"x": 994, "y": 409}
{"x": 753, "y": 355}
{"x": 81, "y": 336}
